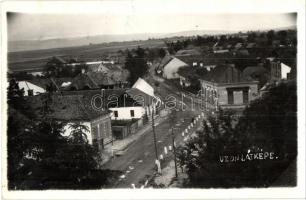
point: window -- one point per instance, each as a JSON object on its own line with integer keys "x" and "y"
{"x": 116, "y": 113}
{"x": 230, "y": 97}
{"x": 245, "y": 96}
{"x": 132, "y": 113}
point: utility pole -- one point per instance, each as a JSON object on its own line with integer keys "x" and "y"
{"x": 154, "y": 135}
{"x": 174, "y": 152}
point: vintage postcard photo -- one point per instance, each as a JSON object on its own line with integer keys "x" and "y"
{"x": 135, "y": 100}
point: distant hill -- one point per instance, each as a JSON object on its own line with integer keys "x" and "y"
{"x": 25, "y": 45}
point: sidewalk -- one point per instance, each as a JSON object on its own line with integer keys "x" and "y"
{"x": 120, "y": 146}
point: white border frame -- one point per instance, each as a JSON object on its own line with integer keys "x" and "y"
{"x": 151, "y": 7}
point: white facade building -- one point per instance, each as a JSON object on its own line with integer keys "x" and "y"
{"x": 285, "y": 69}
{"x": 171, "y": 68}
{"x": 30, "y": 89}
{"x": 127, "y": 113}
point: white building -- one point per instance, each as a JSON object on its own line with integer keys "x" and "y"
{"x": 127, "y": 113}
{"x": 143, "y": 86}
{"x": 76, "y": 108}
{"x": 285, "y": 69}
{"x": 279, "y": 71}
{"x": 171, "y": 67}
{"x": 30, "y": 89}
{"x": 142, "y": 102}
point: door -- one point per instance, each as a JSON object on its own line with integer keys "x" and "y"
{"x": 245, "y": 96}
{"x": 230, "y": 97}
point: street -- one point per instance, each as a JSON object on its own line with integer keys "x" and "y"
{"x": 138, "y": 161}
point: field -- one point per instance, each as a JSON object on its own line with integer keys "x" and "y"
{"x": 35, "y": 60}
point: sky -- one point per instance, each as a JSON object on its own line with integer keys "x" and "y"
{"x": 47, "y": 26}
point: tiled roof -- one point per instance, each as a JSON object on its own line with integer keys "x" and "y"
{"x": 108, "y": 96}
{"x": 44, "y": 82}
{"x": 207, "y": 59}
{"x": 93, "y": 67}
{"x": 81, "y": 81}
{"x": 92, "y": 80}
{"x": 140, "y": 97}
{"x": 238, "y": 45}
{"x": 250, "y": 73}
{"x": 251, "y": 45}
{"x": 243, "y": 52}
{"x": 100, "y": 78}
{"x": 186, "y": 52}
{"x": 164, "y": 62}
{"x": 67, "y": 107}
{"x": 224, "y": 74}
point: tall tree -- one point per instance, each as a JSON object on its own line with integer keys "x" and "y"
{"x": 136, "y": 65}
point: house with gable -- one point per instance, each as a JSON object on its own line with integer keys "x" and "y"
{"x": 138, "y": 102}
{"x": 77, "y": 108}
{"x": 279, "y": 71}
{"x": 92, "y": 80}
{"x": 31, "y": 89}
{"x": 38, "y": 86}
{"x": 225, "y": 87}
{"x": 169, "y": 67}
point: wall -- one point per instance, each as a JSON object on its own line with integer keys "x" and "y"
{"x": 124, "y": 113}
{"x": 143, "y": 86}
{"x": 171, "y": 69}
{"x": 285, "y": 69}
{"x": 275, "y": 71}
{"x": 223, "y": 96}
{"x": 221, "y": 91}
{"x": 209, "y": 91}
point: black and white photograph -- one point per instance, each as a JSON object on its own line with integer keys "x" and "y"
{"x": 152, "y": 100}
